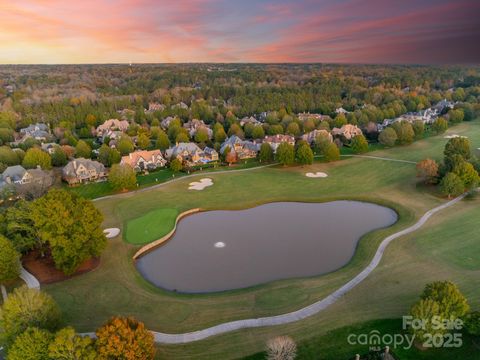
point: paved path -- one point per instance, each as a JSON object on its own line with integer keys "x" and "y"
{"x": 29, "y": 279}
{"x": 204, "y": 173}
{"x": 308, "y": 310}
{"x": 381, "y": 158}
{"x": 199, "y": 173}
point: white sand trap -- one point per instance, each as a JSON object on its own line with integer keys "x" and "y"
{"x": 453, "y": 136}
{"x": 317, "y": 174}
{"x": 110, "y": 233}
{"x": 200, "y": 185}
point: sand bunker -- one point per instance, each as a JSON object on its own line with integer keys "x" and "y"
{"x": 453, "y": 136}
{"x": 200, "y": 185}
{"x": 111, "y": 232}
{"x": 317, "y": 174}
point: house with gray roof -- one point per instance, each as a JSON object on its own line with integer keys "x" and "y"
{"x": 82, "y": 170}
{"x": 191, "y": 154}
{"x": 243, "y": 148}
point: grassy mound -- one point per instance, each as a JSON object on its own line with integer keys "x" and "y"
{"x": 151, "y": 226}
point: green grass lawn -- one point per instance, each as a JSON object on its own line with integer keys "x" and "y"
{"x": 116, "y": 288}
{"x": 151, "y": 226}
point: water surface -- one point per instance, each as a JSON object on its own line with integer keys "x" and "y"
{"x": 269, "y": 242}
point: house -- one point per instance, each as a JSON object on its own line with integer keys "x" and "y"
{"x": 18, "y": 175}
{"x": 194, "y": 125}
{"x": 341, "y": 110}
{"x": 244, "y": 149}
{"x": 82, "y": 170}
{"x": 210, "y": 154}
{"x": 38, "y": 131}
{"x": 49, "y": 147}
{"x": 347, "y": 131}
{"x": 153, "y": 106}
{"x": 166, "y": 122}
{"x": 305, "y": 116}
{"x": 312, "y": 135}
{"x": 180, "y": 105}
{"x": 275, "y": 140}
{"x": 249, "y": 120}
{"x": 144, "y": 160}
{"x": 191, "y": 154}
{"x": 110, "y": 126}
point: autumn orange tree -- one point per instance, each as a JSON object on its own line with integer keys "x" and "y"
{"x": 125, "y": 339}
{"x": 427, "y": 170}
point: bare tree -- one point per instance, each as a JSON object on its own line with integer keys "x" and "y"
{"x": 281, "y": 348}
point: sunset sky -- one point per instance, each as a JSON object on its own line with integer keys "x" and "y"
{"x": 358, "y": 31}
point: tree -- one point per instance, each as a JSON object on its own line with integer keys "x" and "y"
{"x": 388, "y": 137}
{"x": 359, "y": 144}
{"x": 71, "y": 226}
{"x": 108, "y": 156}
{"x": 83, "y": 150}
{"x": 440, "y": 299}
{"x": 201, "y": 136}
{"x": 182, "y": 136}
{"x": 9, "y": 261}
{"x": 452, "y": 185}
{"x": 235, "y": 129}
{"x": 455, "y": 116}
{"x": 6, "y": 135}
{"x": 293, "y": 129}
{"x": 230, "y": 156}
{"x": 467, "y": 173}
{"x": 332, "y": 153}
{"x": 162, "y": 141}
{"x": 285, "y": 154}
{"x": 19, "y": 227}
{"x": 472, "y": 323}
{"x": 418, "y": 128}
{"x": 266, "y": 153}
{"x": 452, "y": 303}
{"x": 59, "y": 158}
{"x": 322, "y": 141}
{"x": 405, "y": 133}
{"x": 176, "y": 165}
{"x": 427, "y": 169}
{"x": 125, "y": 145}
{"x": 258, "y": 132}
{"x": 440, "y": 125}
{"x": 122, "y": 177}
{"x": 304, "y": 154}
{"x": 67, "y": 345}
{"x": 425, "y": 309}
{"x": 219, "y": 134}
{"x": 143, "y": 141}
{"x": 281, "y": 348}
{"x": 8, "y": 156}
{"x": 458, "y": 146}
{"x": 126, "y": 339}
{"x": 31, "y": 345}
{"x": 36, "y": 157}
{"x": 26, "y": 308}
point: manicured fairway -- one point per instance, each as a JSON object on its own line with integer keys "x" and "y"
{"x": 151, "y": 226}
{"x": 410, "y": 262}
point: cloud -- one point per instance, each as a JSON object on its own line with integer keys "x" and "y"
{"x": 54, "y": 31}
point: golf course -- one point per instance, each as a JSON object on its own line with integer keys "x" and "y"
{"x": 446, "y": 247}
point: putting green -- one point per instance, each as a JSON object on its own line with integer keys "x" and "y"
{"x": 151, "y": 226}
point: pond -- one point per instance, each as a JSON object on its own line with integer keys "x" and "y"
{"x": 224, "y": 250}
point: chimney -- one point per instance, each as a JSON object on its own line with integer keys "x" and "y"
{"x": 357, "y": 357}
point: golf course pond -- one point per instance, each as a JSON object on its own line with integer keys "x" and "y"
{"x": 232, "y": 249}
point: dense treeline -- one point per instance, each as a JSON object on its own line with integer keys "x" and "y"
{"x": 57, "y": 94}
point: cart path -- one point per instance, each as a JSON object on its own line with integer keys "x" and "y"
{"x": 304, "y": 312}
{"x": 212, "y": 173}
